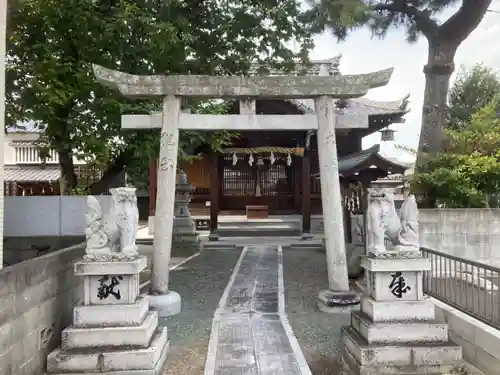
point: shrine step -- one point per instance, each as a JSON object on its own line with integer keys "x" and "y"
{"x": 218, "y": 245}
{"x": 265, "y": 230}
{"x": 312, "y": 245}
{"x": 146, "y": 361}
{"x": 398, "y": 332}
{"x": 377, "y": 355}
{"x": 132, "y": 336}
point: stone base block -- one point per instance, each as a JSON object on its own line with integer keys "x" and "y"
{"x": 306, "y": 236}
{"x": 146, "y": 361}
{"x": 99, "y": 268}
{"x": 337, "y": 302}
{"x": 138, "y": 336}
{"x": 111, "y": 315}
{"x": 185, "y": 239}
{"x": 399, "y": 332}
{"x": 395, "y": 264}
{"x": 166, "y": 304}
{"x": 379, "y": 311}
{"x": 184, "y": 221}
{"x": 184, "y": 231}
{"x": 353, "y": 367}
{"x": 213, "y": 236}
{"x": 370, "y": 355}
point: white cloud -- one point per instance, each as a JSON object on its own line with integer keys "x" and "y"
{"x": 362, "y": 54}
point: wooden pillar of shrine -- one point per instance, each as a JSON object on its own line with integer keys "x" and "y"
{"x": 153, "y": 165}
{"x": 347, "y": 213}
{"x": 306, "y": 190}
{"x": 297, "y": 188}
{"x": 214, "y": 198}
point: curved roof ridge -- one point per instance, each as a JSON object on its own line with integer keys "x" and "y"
{"x": 399, "y": 104}
{"x": 366, "y": 153}
{"x": 392, "y": 161}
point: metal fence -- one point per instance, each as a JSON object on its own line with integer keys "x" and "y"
{"x": 466, "y": 285}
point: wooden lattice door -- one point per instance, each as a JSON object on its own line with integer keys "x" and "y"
{"x": 261, "y": 183}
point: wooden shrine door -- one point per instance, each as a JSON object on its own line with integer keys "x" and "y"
{"x": 262, "y": 183}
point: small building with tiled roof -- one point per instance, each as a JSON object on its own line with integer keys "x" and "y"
{"x": 25, "y": 172}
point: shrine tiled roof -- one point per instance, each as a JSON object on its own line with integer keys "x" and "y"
{"x": 360, "y": 106}
{"x": 365, "y": 159}
{"x": 30, "y": 174}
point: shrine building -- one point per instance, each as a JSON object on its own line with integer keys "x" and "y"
{"x": 276, "y": 172}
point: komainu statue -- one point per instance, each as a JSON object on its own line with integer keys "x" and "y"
{"x": 384, "y": 224}
{"x": 115, "y": 232}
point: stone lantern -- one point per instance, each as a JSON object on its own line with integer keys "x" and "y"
{"x": 183, "y": 192}
{"x": 184, "y": 237}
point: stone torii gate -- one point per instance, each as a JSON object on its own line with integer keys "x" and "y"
{"x": 323, "y": 89}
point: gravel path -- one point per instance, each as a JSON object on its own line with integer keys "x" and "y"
{"x": 200, "y": 282}
{"x": 304, "y": 273}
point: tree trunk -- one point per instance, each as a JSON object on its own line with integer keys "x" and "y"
{"x": 112, "y": 176}
{"x": 67, "y": 180}
{"x": 438, "y": 71}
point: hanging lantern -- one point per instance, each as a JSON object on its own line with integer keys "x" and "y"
{"x": 235, "y": 159}
{"x": 289, "y": 160}
{"x": 272, "y": 159}
{"x": 250, "y": 160}
{"x": 387, "y": 135}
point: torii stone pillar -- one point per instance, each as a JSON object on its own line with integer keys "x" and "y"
{"x": 167, "y": 302}
{"x": 323, "y": 89}
{"x": 331, "y": 198}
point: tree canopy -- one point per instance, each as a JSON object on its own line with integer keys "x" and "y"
{"x": 51, "y": 45}
{"x": 467, "y": 172}
{"x": 417, "y": 17}
{"x": 472, "y": 90}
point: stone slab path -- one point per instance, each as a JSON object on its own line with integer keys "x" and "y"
{"x": 250, "y": 331}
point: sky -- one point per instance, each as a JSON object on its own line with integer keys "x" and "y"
{"x": 362, "y": 54}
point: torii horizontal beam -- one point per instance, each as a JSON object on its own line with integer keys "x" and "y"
{"x": 296, "y": 87}
{"x": 242, "y": 122}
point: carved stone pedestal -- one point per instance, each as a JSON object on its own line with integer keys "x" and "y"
{"x": 113, "y": 331}
{"x": 396, "y": 332}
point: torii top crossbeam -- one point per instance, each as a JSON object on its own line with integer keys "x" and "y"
{"x": 297, "y": 87}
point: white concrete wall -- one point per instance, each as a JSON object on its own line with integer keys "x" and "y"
{"x": 480, "y": 343}
{"x": 468, "y": 233}
{"x": 47, "y": 216}
{"x": 3, "y": 25}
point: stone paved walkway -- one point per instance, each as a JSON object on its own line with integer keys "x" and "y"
{"x": 250, "y": 332}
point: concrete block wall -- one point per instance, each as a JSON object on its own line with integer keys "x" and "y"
{"x": 48, "y": 216}
{"x": 36, "y": 301}
{"x": 20, "y": 249}
{"x": 480, "y": 343}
